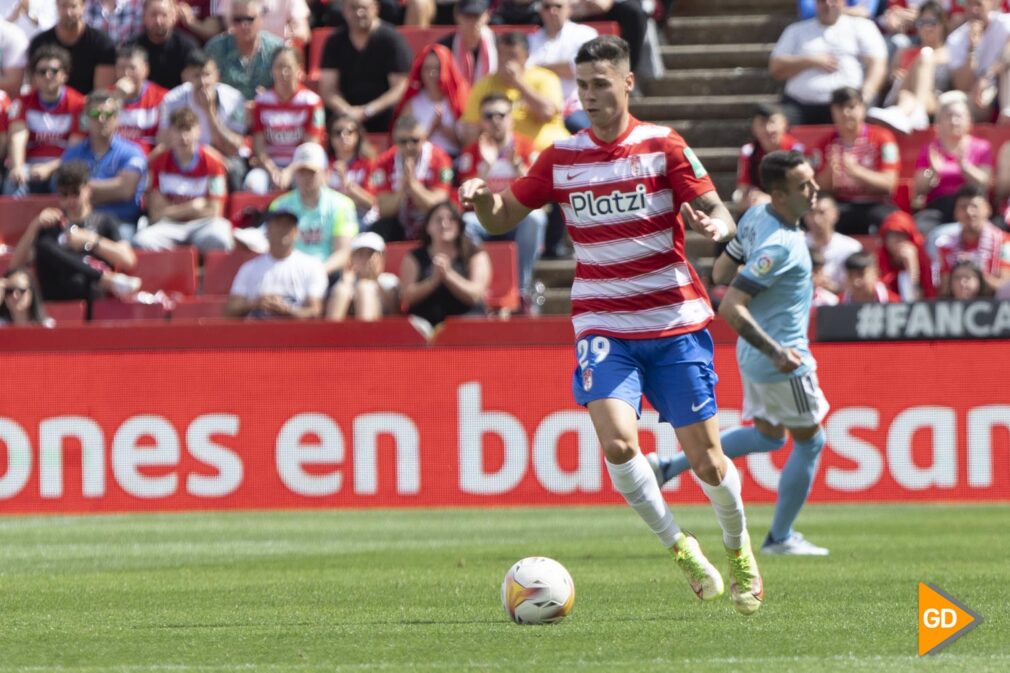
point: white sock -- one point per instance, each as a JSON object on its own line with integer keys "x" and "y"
{"x": 728, "y": 506}
{"x": 636, "y": 482}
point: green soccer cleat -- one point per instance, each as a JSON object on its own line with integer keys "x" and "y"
{"x": 747, "y": 588}
{"x": 705, "y": 580}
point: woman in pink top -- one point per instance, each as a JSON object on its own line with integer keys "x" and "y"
{"x": 949, "y": 161}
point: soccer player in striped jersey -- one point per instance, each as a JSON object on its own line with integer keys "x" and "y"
{"x": 639, "y": 309}
{"x": 768, "y": 304}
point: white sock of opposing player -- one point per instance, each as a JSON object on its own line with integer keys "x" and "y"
{"x": 728, "y": 506}
{"x": 637, "y": 483}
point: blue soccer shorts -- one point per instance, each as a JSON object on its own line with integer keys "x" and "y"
{"x": 674, "y": 373}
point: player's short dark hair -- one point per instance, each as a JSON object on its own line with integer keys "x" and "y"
{"x": 514, "y": 38}
{"x": 495, "y": 97}
{"x": 72, "y": 176}
{"x": 99, "y": 98}
{"x": 970, "y": 191}
{"x": 198, "y": 59}
{"x": 774, "y": 167}
{"x": 766, "y": 110}
{"x": 860, "y": 261}
{"x": 845, "y": 95}
{"x": 131, "y": 51}
{"x": 47, "y": 52}
{"x": 604, "y": 48}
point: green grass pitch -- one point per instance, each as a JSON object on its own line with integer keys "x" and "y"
{"x": 417, "y": 590}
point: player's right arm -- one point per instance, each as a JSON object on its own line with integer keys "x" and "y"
{"x": 724, "y": 270}
{"x": 498, "y": 213}
{"x": 734, "y": 310}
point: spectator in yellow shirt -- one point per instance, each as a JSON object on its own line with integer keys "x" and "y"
{"x": 535, "y": 93}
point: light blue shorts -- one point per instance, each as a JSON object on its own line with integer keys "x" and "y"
{"x": 674, "y": 373}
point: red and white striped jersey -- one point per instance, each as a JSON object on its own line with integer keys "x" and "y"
{"x": 287, "y": 124}
{"x": 138, "y": 120}
{"x": 621, "y": 202}
{"x": 204, "y": 178}
{"x": 49, "y": 126}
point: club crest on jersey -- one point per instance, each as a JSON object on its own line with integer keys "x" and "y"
{"x": 587, "y": 379}
{"x": 615, "y": 203}
{"x": 635, "y": 164}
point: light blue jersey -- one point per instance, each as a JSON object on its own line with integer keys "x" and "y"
{"x": 777, "y": 274}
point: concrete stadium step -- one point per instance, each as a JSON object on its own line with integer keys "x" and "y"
{"x": 711, "y": 82}
{"x": 555, "y": 273}
{"x": 693, "y": 56}
{"x": 712, "y": 132}
{"x": 661, "y": 108}
{"x": 718, "y": 159}
{"x": 709, "y": 30}
{"x": 733, "y": 7}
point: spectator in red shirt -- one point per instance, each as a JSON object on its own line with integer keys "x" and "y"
{"x": 141, "y": 113}
{"x": 862, "y": 282}
{"x": 905, "y": 266}
{"x": 769, "y": 132}
{"x": 977, "y": 239}
{"x": 858, "y": 164}
{"x": 353, "y": 158}
{"x": 187, "y": 192}
{"x": 43, "y": 123}
{"x": 499, "y": 156}
{"x": 409, "y": 179}
{"x": 282, "y": 119}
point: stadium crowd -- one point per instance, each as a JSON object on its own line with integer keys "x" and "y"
{"x": 149, "y": 120}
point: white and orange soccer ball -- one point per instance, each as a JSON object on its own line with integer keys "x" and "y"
{"x": 537, "y": 590}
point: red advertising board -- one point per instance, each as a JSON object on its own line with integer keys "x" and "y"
{"x": 276, "y": 427}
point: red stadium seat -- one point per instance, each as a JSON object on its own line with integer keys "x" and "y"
{"x": 66, "y": 312}
{"x": 18, "y": 213}
{"x": 870, "y": 242}
{"x": 219, "y": 269}
{"x": 113, "y": 309}
{"x": 205, "y": 306}
{"x": 167, "y": 270}
{"x": 395, "y": 252}
{"x": 504, "y": 290}
{"x": 239, "y": 201}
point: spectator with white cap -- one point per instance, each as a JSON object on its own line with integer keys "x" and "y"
{"x": 327, "y": 220}
{"x": 281, "y": 283}
{"x": 365, "y": 290}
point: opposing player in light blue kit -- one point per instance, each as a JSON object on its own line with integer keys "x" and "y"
{"x": 768, "y": 304}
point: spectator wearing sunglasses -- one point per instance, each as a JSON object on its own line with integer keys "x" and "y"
{"x": 118, "y": 167}
{"x": 409, "y": 179}
{"x": 20, "y": 303}
{"x": 245, "y": 54}
{"x": 287, "y": 19}
{"x": 43, "y": 123}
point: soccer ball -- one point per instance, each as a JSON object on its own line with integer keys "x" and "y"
{"x": 537, "y": 590}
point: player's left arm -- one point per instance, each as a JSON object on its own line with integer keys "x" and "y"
{"x": 708, "y": 215}
{"x": 735, "y": 311}
{"x": 725, "y": 269}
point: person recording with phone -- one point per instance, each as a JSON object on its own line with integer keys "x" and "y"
{"x": 76, "y": 250}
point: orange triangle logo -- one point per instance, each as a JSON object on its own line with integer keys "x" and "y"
{"x": 942, "y": 619}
